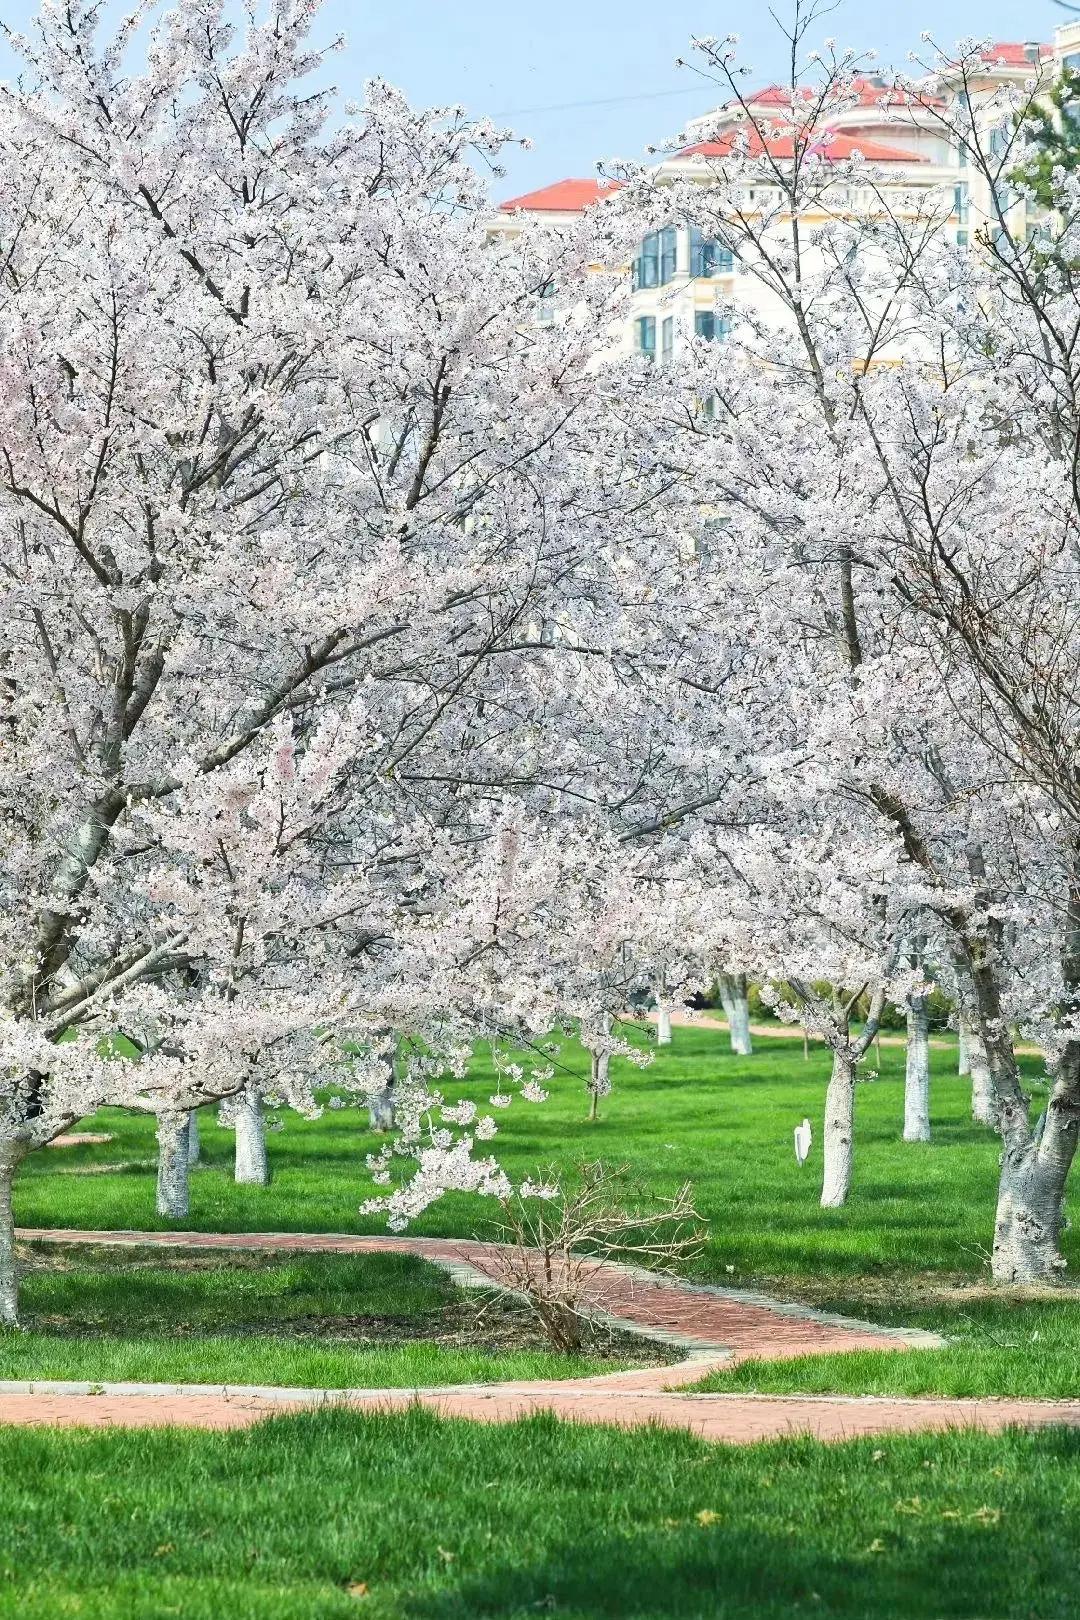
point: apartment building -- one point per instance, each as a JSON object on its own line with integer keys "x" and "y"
{"x": 685, "y": 284}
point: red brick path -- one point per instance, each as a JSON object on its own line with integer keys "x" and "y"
{"x": 735, "y": 1419}
{"x": 705, "y": 1320}
{"x": 717, "y": 1326}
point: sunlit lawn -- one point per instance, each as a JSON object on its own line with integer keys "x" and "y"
{"x": 697, "y": 1112}
{"x": 408, "y": 1518}
{"x": 916, "y": 1211}
{"x": 311, "y": 1321}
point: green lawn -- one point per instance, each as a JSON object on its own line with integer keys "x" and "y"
{"x": 918, "y": 1213}
{"x": 1001, "y": 1347}
{"x": 697, "y": 1112}
{"x": 224, "y": 1360}
{"x": 408, "y": 1517}
{"x": 314, "y": 1321}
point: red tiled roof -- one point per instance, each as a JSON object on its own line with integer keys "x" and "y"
{"x": 867, "y": 89}
{"x": 1014, "y": 54}
{"x": 773, "y": 95}
{"x": 838, "y": 148}
{"x": 563, "y": 197}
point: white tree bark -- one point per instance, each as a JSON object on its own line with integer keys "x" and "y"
{"x": 734, "y": 997}
{"x": 839, "y": 1134}
{"x": 599, "y": 1062}
{"x": 917, "y": 1075}
{"x": 1034, "y": 1163}
{"x": 740, "y": 1026}
{"x": 599, "y": 1084}
{"x": 1031, "y": 1193}
{"x": 193, "y": 1137}
{"x": 9, "y": 1280}
{"x": 963, "y": 1055}
{"x": 663, "y": 1024}
{"x": 252, "y": 1167}
{"x": 382, "y": 1107}
{"x": 982, "y": 1084}
{"x": 172, "y": 1170}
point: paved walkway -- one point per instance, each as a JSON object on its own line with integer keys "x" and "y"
{"x": 735, "y": 1419}
{"x": 716, "y": 1327}
{"x": 724, "y": 1324}
{"x": 682, "y": 1019}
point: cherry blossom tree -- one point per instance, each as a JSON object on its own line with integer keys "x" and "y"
{"x": 893, "y": 459}
{"x": 287, "y": 475}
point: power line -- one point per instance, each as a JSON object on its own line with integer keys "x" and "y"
{"x": 605, "y": 101}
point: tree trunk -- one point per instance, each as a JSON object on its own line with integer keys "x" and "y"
{"x": 1034, "y": 1164}
{"x": 663, "y": 1024}
{"x": 193, "y": 1137}
{"x": 1031, "y": 1192}
{"x": 599, "y": 1061}
{"x": 839, "y": 1132}
{"x": 735, "y": 1000}
{"x": 599, "y": 1084}
{"x": 172, "y": 1167}
{"x": 963, "y": 1053}
{"x": 917, "y": 1076}
{"x": 9, "y": 1279}
{"x": 982, "y": 1084}
{"x": 382, "y": 1107}
{"x": 252, "y": 1168}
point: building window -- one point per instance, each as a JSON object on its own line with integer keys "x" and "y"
{"x": 669, "y": 254}
{"x": 961, "y": 238}
{"x": 708, "y": 258}
{"x": 667, "y": 339}
{"x": 960, "y": 203}
{"x": 647, "y": 264}
{"x": 1000, "y": 140}
{"x": 646, "y": 336}
{"x": 710, "y": 326}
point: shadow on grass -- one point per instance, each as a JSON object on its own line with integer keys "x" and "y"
{"x": 740, "y": 1575}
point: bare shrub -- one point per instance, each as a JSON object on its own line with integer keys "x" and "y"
{"x": 554, "y": 1237}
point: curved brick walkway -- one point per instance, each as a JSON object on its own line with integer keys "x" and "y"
{"x": 716, "y": 1326}
{"x": 725, "y": 1324}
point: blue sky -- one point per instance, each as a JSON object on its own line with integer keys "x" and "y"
{"x": 534, "y": 64}
{"x": 508, "y": 59}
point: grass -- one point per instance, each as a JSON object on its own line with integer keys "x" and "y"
{"x": 408, "y": 1517}
{"x": 1010, "y": 1346}
{"x": 697, "y": 1112}
{"x": 917, "y": 1211}
{"x": 315, "y": 1321}
{"x": 223, "y": 1360}
{"x": 124, "y": 1291}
